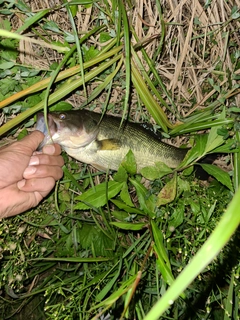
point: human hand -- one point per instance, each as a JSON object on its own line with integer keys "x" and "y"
{"x": 26, "y": 175}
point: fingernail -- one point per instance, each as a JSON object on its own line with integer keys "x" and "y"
{"x": 21, "y": 183}
{"x": 34, "y": 160}
{"x": 49, "y": 149}
{"x": 29, "y": 171}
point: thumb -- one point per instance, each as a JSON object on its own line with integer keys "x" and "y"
{"x": 33, "y": 140}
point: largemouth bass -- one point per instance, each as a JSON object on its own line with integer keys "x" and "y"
{"x": 101, "y": 142}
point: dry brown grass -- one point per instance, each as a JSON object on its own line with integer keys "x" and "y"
{"x": 196, "y": 41}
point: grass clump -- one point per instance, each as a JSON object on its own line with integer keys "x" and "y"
{"x": 127, "y": 245}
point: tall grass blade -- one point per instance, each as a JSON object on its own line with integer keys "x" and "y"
{"x": 217, "y": 240}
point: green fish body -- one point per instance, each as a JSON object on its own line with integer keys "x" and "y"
{"x": 103, "y": 143}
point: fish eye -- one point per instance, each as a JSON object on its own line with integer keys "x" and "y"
{"x": 62, "y": 116}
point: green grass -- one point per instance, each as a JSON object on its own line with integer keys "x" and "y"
{"x": 139, "y": 249}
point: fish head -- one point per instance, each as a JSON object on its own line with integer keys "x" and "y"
{"x": 70, "y": 129}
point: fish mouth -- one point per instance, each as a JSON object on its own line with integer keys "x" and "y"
{"x": 48, "y": 129}
{"x": 65, "y": 133}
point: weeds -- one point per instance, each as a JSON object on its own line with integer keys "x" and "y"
{"x": 126, "y": 245}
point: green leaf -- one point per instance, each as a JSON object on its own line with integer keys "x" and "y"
{"x": 89, "y": 53}
{"x": 129, "y": 163}
{"x": 148, "y": 100}
{"x": 182, "y": 185}
{"x": 74, "y": 10}
{"x": 228, "y": 147}
{"x": 200, "y": 143}
{"x": 177, "y": 216}
{"x": 61, "y": 106}
{"x": 125, "y": 286}
{"x": 155, "y": 172}
{"x": 218, "y": 174}
{"x": 158, "y": 239}
{"x": 52, "y": 26}
{"x": 125, "y": 207}
{"x": 7, "y": 85}
{"x": 229, "y": 305}
{"x": 188, "y": 171}
{"x": 121, "y": 175}
{"x": 109, "y": 284}
{"x": 168, "y": 192}
{"x": 142, "y": 193}
{"x": 81, "y": 2}
{"x": 104, "y": 36}
{"x": 125, "y": 196}
{"x": 214, "y": 139}
{"x": 120, "y": 215}
{"x": 191, "y": 156}
{"x": 223, "y": 132}
{"x": 6, "y": 24}
{"x": 197, "y": 151}
{"x": 162, "y": 259}
{"x": 235, "y": 14}
{"x": 129, "y": 225}
{"x": 9, "y": 52}
{"x": 234, "y": 109}
{"x": 97, "y": 197}
{"x": 6, "y": 65}
{"x": 150, "y": 173}
{"x": 91, "y": 236}
{"x": 22, "y": 134}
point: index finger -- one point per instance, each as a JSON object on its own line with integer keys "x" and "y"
{"x": 52, "y": 149}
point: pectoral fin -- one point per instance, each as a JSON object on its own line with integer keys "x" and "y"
{"x": 109, "y": 144}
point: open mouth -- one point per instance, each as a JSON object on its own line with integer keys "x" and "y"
{"x": 41, "y": 124}
{"x": 48, "y": 132}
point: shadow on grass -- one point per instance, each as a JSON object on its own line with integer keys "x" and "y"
{"x": 217, "y": 280}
